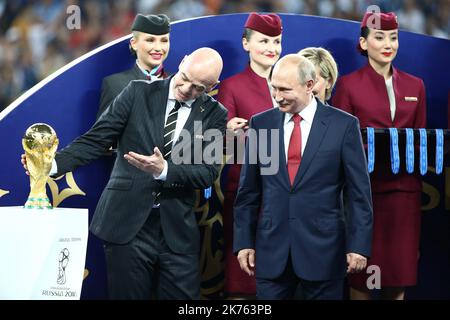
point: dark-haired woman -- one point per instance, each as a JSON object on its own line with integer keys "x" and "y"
{"x": 381, "y": 96}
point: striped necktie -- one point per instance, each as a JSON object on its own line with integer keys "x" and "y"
{"x": 169, "y": 129}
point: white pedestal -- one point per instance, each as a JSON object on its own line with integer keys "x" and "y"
{"x": 42, "y": 252}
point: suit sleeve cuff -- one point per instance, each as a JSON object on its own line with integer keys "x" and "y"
{"x": 54, "y": 169}
{"x": 163, "y": 175}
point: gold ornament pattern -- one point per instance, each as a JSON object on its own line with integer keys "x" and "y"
{"x": 213, "y": 93}
{"x": 85, "y": 274}
{"x": 3, "y": 192}
{"x": 73, "y": 189}
{"x": 209, "y": 218}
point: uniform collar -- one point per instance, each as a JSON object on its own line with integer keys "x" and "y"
{"x": 156, "y": 72}
{"x": 373, "y": 74}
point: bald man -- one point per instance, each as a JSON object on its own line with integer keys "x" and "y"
{"x": 300, "y": 236}
{"x": 145, "y": 214}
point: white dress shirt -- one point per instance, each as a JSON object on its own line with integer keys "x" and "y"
{"x": 391, "y": 95}
{"x": 183, "y": 115}
{"x": 307, "y": 115}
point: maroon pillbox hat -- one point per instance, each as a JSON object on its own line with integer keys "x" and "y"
{"x": 380, "y": 21}
{"x": 268, "y": 24}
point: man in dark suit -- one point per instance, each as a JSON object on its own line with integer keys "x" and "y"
{"x": 145, "y": 214}
{"x": 288, "y": 211}
{"x": 150, "y": 45}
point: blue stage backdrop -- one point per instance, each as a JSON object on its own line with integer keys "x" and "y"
{"x": 68, "y": 101}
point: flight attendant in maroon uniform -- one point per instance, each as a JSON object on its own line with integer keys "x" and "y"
{"x": 382, "y": 96}
{"x": 245, "y": 94}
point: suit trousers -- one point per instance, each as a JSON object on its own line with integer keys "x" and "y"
{"x": 288, "y": 285}
{"x": 146, "y": 268}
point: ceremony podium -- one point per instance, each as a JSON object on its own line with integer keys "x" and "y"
{"x": 43, "y": 253}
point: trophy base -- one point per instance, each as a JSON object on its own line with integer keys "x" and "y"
{"x": 38, "y": 203}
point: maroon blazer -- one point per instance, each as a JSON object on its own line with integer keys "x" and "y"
{"x": 363, "y": 93}
{"x": 244, "y": 95}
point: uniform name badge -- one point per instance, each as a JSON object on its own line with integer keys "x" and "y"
{"x": 395, "y": 155}
{"x": 370, "y": 149}
{"x": 423, "y": 152}
{"x": 439, "y": 150}
{"x": 409, "y": 150}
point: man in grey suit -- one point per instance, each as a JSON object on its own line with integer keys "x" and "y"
{"x": 150, "y": 45}
{"x": 145, "y": 214}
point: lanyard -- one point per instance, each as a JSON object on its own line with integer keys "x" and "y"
{"x": 423, "y": 152}
{"x": 439, "y": 150}
{"x": 409, "y": 150}
{"x": 370, "y": 149}
{"x": 395, "y": 156}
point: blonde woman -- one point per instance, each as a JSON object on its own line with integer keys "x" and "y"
{"x": 326, "y": 71}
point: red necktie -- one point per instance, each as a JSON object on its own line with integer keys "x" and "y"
{"x": 295, "y": 147}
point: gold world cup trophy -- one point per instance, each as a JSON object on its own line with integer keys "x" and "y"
{"x": 40, "y": 143}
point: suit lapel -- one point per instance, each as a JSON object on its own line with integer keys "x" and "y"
{"x": 283, "y": 166}
{"x": 159, "y": 105}
{"x": 198, "y": 112}
{"x": 318, "y": 129}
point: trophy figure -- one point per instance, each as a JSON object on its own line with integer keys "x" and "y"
{"x": 40, "y": 144}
